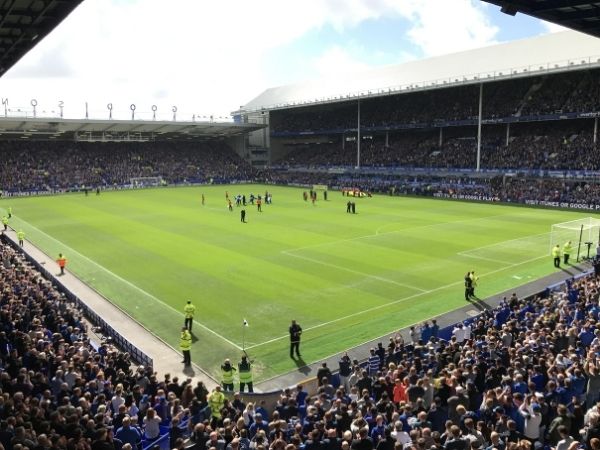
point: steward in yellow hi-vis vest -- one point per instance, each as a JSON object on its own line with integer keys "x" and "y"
{"x": 185, "y": 345}
{"x": 216, "y": 401}
{"x": 21, "y": 237}
{"x": 556, "y": 255}
{"x": 567, "y": 249}
{"x": 227, "y": 375}
{"x": 245, "y": 372}
{"x": 189, "y": 311}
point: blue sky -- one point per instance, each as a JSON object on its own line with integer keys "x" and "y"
{"x": 379, "y": 42}
{"x": 210, "y": 57}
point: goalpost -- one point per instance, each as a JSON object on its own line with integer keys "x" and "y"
{"x": 579, "y": 232}
{"x": 141, "y": 182}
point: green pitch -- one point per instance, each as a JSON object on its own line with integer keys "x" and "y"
{"x": 345, "y": 278}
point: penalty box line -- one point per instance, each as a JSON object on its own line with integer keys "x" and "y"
{"x": 356, "y": 272}
{"x": 467, "y": 253}
{"x": 379, "y": 234}
{"x": 400, "y": 300}
{"x": 129, "y": 283}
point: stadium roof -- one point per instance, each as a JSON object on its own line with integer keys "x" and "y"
{"x": 567, "y": 50}
{"x": 24, "y": 23}
{"x": 119, "y": 130}
{"x": 578, "y": 15}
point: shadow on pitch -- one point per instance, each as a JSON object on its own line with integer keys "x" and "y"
{"x": 189, "y": 371}
{"x": 572, "y": 271}
{"x": 480, "y": 304}
{"x": 302, "y": 366}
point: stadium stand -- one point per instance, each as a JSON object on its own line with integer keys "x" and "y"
{"x": 48, "y": 166}
{"x": 523, "y": 375}
{"x": 530, "y": 96}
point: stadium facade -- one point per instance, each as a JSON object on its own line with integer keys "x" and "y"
{"x": 533, "y": 59}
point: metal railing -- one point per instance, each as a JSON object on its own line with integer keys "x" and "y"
{"x": 136, "y": 354}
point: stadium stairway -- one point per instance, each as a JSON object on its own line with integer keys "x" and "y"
{"x": 165, "y": 358}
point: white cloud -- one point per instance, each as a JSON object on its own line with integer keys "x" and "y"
{"x": 441, "y": 27}
{"x": 207, "y": 57}
{"x": 337, "y": 61}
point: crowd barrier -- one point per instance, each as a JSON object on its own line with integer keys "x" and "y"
{"x": 136, "y": 354}
{"x": 311, "y": 386}
{"x": 163, "y": 441}
{"x": 445, "y": 333}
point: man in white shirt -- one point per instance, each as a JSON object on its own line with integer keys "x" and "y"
{"x": 402, "y": 437}
{"x": 566, "y": 440}
{"x": 532, "y": 414}
{"x": 459, "y": 333}
{"x": 467, "y": 331}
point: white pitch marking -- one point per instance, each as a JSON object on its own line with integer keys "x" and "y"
{"x": 366, "y": 275}
{"x": 509, "y": 240}
{"x": 403, "y": 299}
{"x": 367, "y": 236}
{"x": 435, "y": 224}
{"x": 128, "y": 283}
{"x": 466, "y": 255}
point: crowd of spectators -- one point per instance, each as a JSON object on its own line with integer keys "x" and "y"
{"x": 509, "y": 189}
{"x": 521, "y": 377}
{"x": 524, "y": 376}
{"x": 528, "y": 96}
{"x": 59, "y": 390}
{"x": 63, "y": 165}
{"x": 531, "y": 146}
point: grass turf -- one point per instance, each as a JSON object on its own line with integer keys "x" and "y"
{"x": 345, "y": 278}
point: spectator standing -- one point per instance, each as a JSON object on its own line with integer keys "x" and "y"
{"x": 151, "y": 425}
{"x": 345, "y": 370}
{"x": 373, "y": 362}
{"x": 129, "y": 434}
{"x": 323, "y": 374}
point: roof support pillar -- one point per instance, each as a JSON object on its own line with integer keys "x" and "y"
{"x": 479, "y": 127}
{"x": 358, "y": 136}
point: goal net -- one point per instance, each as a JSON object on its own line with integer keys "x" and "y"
{"x": 578, "y": 232}
{"x": 140, "y": 182}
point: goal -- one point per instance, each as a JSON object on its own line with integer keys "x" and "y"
{"x": 579, "y": 232}
{"x": 140, "y": 182}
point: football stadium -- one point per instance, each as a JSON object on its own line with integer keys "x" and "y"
{"x": 405, "y": 258}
